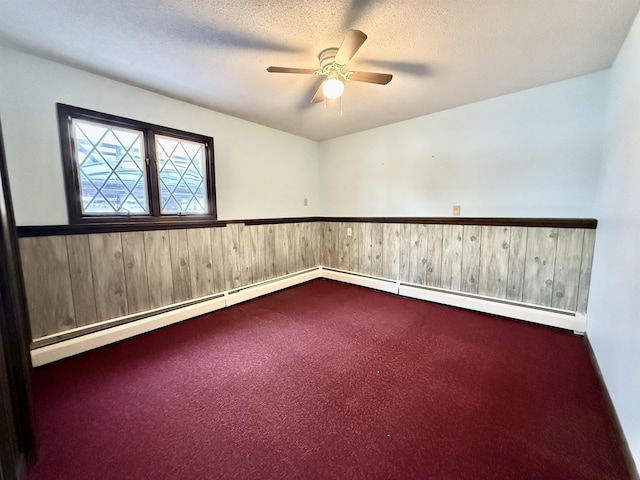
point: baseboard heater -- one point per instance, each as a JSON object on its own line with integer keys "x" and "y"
{"x": 59, "y": 346}
{"x": 552, "y": 317}
{"x": 368, "y": 281}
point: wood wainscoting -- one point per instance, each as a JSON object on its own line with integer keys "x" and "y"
{"x": 78, "y": 280}
{"x": 74, "y": 280}
{"x": 542, "y": 266}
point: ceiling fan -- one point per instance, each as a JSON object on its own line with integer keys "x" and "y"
{"x": 333, "y": 62}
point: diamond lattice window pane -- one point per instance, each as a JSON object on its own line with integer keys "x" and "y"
{"x": 181, "y": 167}
{"x": 111, "y": 168}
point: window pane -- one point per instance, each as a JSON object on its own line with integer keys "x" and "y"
{"x": 111, "y": 168}
{"x": 182, "y": 170}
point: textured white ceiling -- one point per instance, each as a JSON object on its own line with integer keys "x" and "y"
{"x": 214, "y": 53}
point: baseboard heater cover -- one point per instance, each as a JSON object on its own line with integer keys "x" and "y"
{"x": 530, "y": 313}
{"x": 242, "y": 295}
{"x": 73, "y": 346}
{"x": 376, "y": 283}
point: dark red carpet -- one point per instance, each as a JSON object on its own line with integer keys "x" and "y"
{"x": 329, "y": 381}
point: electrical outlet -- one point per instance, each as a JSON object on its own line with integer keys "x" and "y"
{"x": 305, "y": 202}
{"x": 456, "y": 210}
{"x": 349, "y": 231}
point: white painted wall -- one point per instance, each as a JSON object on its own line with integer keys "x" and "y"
{"x": 260, "y": 172}
{"x": 534, "y": 153}
{"x": 614, "y": 301}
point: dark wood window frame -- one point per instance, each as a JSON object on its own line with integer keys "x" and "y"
{"x": 66, "y": 114}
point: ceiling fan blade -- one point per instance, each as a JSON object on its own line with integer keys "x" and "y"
{"x": 369, "y": 77}
{"x": 353, "y": 40}
{"x": 319, "y": 96}
{"x": 308, "y": 71}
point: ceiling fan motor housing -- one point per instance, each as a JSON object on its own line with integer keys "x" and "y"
{"x": 327, "y": 56}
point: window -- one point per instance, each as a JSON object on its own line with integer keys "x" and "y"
{"x": 119, "y": 170}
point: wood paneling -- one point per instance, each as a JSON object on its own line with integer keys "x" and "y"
{"x": 84, "y": 299}
{"x": 292, "y": 246}
{"x": 354, "y": 247}
{"x": 81, "y": 279}
{"x": 312, "y": 230}
{"x": 391, "y": 250}
{"x": 180, "y": 265}
{"x": 377, "y": 240}
{"x": 365, "y": 248}
{"x": 159, "y": 274}
{"x": 246, "y": 259}
{"x": 517, "y": 252}
{"x": 434, "y": 255}
{"x": 331, "y": 245}
{"x": 135, "y": 271}
{"x": 311, "y": 245}
{"x": 45, "y": 266}
{"x": 494, "y": 261}
{"x": 404, "y": 251}
{"x": 344, "y": 246}
{"x": 232, "y": 256}
{"x": 255, "y": 250}
{"x": 319, "y": 242}
{"x": 108, "y": 275}
{"x": 305, "y": 245}
{"x": 282, "y": 249}
{"x": 296, "y": 246}
{"x": 566, "y": 277}
{"x": 452, "y": 256}
{"x": 470, "y": 258}
{"x": 323, "y": 253}
{"x": 539, "y": 265}
{"x": 200, "y": 261}
{"x": 342, "y": 251}
{"x": 217, "y": 259}
{"x": 270, "y": 250}
{"x": 302, "y": 248}
{"x": 417, "y": 254}
{"x": 585, "y": 270}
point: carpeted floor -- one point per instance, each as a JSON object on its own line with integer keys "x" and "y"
{"x": 329, "y": 381}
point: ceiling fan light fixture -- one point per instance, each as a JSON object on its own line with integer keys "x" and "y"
{"x": 333, "y": 88}
{"x": 333, "y": 64}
